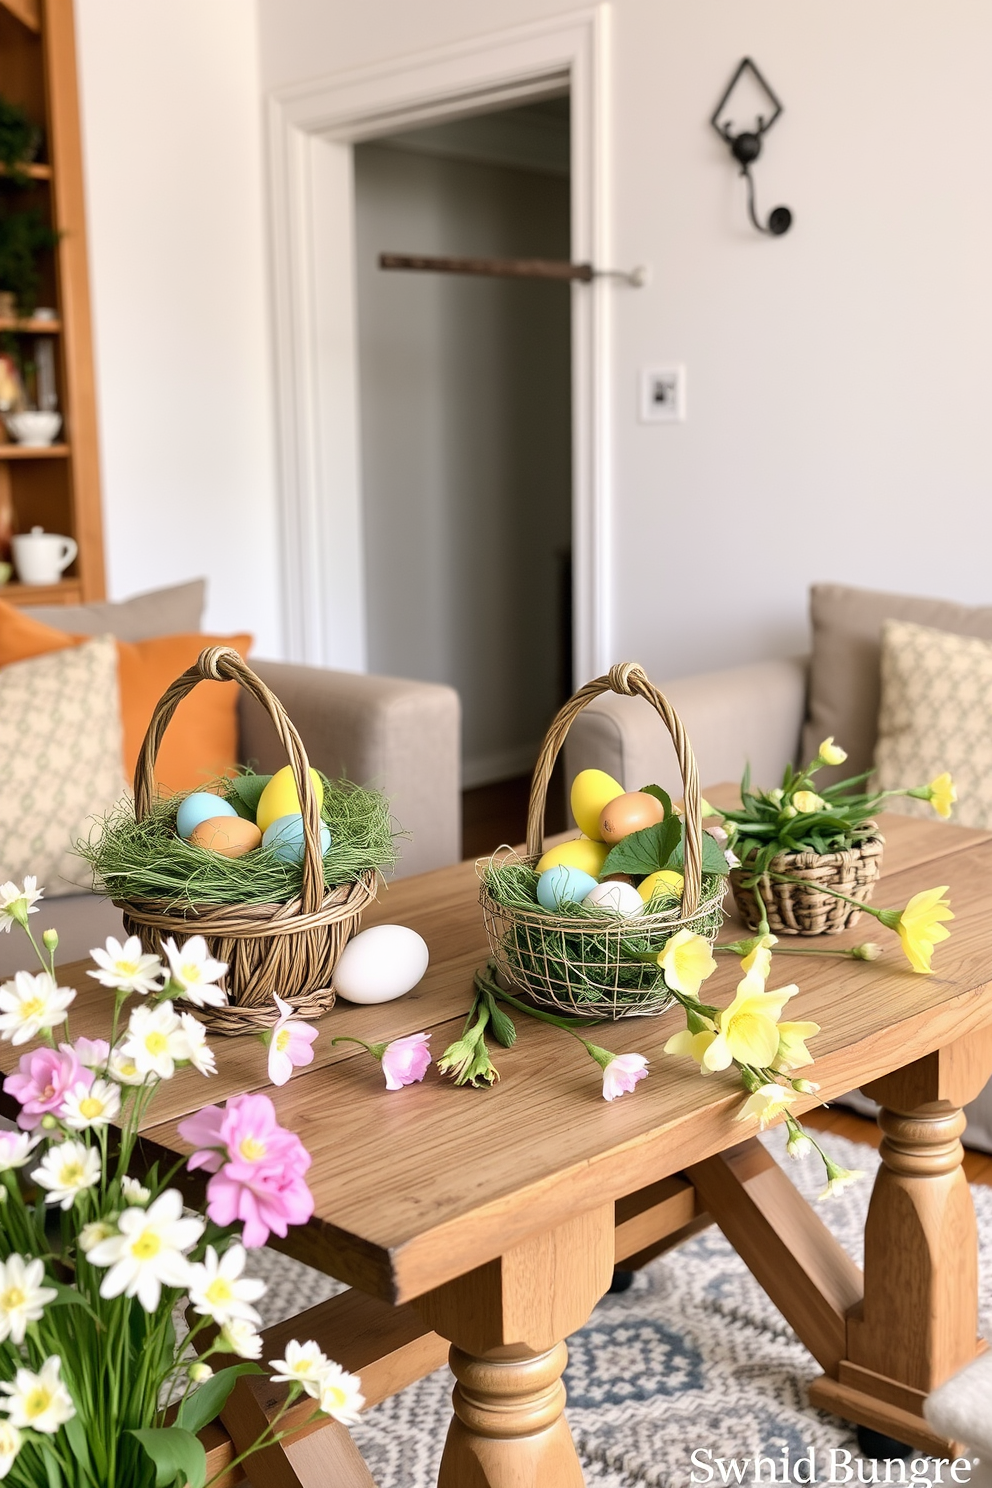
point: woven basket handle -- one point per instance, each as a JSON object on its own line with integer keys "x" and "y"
{"x": 222, "y": 664}
{"x": 627, "y": 679}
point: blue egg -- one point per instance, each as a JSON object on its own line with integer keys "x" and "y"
{"x": 285, "y": 838}
{"x": 200, "y": 807}
{"x": 559, "y": 885}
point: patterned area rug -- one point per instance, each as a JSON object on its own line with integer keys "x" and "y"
{"x": 694, "y": 1357}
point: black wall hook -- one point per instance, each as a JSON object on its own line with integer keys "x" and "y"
{"x": 746, "y": 146}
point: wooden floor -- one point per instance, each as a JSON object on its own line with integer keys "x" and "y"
{"x": 977, "y": 1165}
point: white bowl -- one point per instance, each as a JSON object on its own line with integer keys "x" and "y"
{"x": 33, "y": 426}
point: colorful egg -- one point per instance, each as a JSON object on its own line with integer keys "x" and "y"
{"x": 666, "y": 881}
{"x": 380, "y": 963}
{"x": 591, "y": 791}
{"x": 561, "y": 885}
{"x": 631, "y": 812}
{"x": 620, "y": 898}
{"x": 199, "y": 807}
{"x": 286, "y": 837}
{"x": 579, "y": 853}
{"x": 279, "y": 798}
{"x": 231, "y": 836}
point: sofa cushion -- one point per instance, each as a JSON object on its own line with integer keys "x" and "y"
{"x": 936, "y": 715}
{"x": 60, "y": 760}
{"x": 845, "y": 682}
{"x": 178, "y": 608}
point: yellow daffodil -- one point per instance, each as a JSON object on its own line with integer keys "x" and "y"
{"x": 767, "y": 1102}
{"x": 792, "y": 1051}
{"x": 687, "y": 960}
{"x": 691, "y": 1045}
{"x": 942, "y": 794}
{"x": 830, "y": 753}
{"x": 748, "y": 1028}
{"x": 759, "y": 957}
{"x": 918, "y": 925}
{"x": 808, "y": 801}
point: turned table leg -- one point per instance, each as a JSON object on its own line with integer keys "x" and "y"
{"x": 507, "y": 1321}
{"x": 918, "y": 1321}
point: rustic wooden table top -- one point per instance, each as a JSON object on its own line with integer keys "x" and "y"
{"x": 418, "y": 1186}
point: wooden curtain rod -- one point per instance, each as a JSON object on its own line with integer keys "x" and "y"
{"x": 509, "y": 268}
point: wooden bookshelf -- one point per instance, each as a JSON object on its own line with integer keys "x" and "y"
{"x": 56, "y": 486}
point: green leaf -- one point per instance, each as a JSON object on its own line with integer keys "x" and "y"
{"x": 176, "y": 1454}
{"x": 502, "y": 1025}
{"x": 714, "y": 857}
{"x": 645, "y": 851}
{"x": 659, "y": 795}
{"x": 244, "y": 793}
{"x": 207, "y": 1401}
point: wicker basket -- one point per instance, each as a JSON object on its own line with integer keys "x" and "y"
{"x": 803, "y": 908}
{"x": 286, "y": 948}
{"x": 531, "y": 949}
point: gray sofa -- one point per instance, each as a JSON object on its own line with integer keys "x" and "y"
{"x": 399, "y": 735}
{"x": 773, "y": 712}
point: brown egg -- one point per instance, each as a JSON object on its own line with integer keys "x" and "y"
{"x": 618, "y": 878}
{"x": 631, "y": 812}
{"x": 230, "y": 836}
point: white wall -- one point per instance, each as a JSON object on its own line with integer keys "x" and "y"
{"x": 839, "y": 378}
{"x": 172, "y": 153}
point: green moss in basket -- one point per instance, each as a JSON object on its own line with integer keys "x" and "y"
{"x": 147, "y": 860}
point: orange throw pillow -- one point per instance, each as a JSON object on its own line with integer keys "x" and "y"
{"x": 202, "y": 738}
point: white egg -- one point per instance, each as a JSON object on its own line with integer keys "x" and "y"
{"x": 380, "y": 963}
{"x": 622, "y": 898}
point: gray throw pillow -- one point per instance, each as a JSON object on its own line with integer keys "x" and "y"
{"x": 177, "y": 610}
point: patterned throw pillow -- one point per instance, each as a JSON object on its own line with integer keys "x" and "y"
{"x": 60, "y": 760}
{"x": 936, "y": 715}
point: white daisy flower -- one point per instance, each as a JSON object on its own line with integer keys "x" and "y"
{"x": 123, "y": 1069}
{"x": 16, "y": 1147}
{"x": 341, "y": 1395}
{"x": 196, "y": 971}
{"x": 98, "y": 1229}
{"x": 38, "y": 1402}
{"x": 126, "y": 967}
{"x": 30, "y": 1003}
{"x": 200, "y": 1056}
{"x": 23, "y": 1299}
{"x": 10, "y": 1445}
{"x": 148, "y": 1251}
{"x": 239, "y": 1337}
{"x": 66, "y": 1170}
{"x": 96, "y": 1105}
{"x": 134, "y": 1192}
{"x": 218, "y": 1290}
{"x": 16, "y": 904}
{"x": 304, "y": 1364}
{"x": 155, "y": 1040}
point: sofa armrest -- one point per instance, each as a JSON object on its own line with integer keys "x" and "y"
{"x": 748, "y": 713}
{"x": 400, "y": 736}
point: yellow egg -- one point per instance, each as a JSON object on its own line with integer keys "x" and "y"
{"x": 591, "y": 791}
{"x": 580, "y": 853}
{"x": 665, "y": 881}
{"x": 231, "y": 836}
{"x": 279, "y": 798}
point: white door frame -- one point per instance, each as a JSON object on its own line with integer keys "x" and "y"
{"x": 312, "y": 127}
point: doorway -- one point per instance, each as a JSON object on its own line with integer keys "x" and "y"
{"x": 464, "y": 396}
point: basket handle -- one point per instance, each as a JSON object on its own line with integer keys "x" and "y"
{"x": 223, "y": 664}
{"x": 629, "y": 680}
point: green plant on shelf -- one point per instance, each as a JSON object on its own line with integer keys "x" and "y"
{"x": 19, "y": 140}
{"x": 25, "y": 237}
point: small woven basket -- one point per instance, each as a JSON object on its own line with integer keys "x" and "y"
{"x": 803, "y": 908}
{"x": 584, "y": 966}
{"x": 286, "y": 948}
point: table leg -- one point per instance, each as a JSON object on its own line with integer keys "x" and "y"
{"x": 507, "y": 1321}
{"x": 918, "y": 1322}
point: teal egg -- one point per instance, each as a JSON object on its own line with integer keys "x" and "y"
{"x": 560, "y": 885}
{"x": 285, "y": 838}
{"x": 200, "y": 807}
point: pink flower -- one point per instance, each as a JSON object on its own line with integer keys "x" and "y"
{"x": 405, "y": 1060}
{"x": 289, "y": 1044}
{"x": 258, "y": 1167}
{"x": 92, "y": 1053}
{"x": 43, "y": 1079}
{"x": 622, "y": 1074}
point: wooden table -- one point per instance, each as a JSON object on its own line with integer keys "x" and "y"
{"x": 493, "y": 1218}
